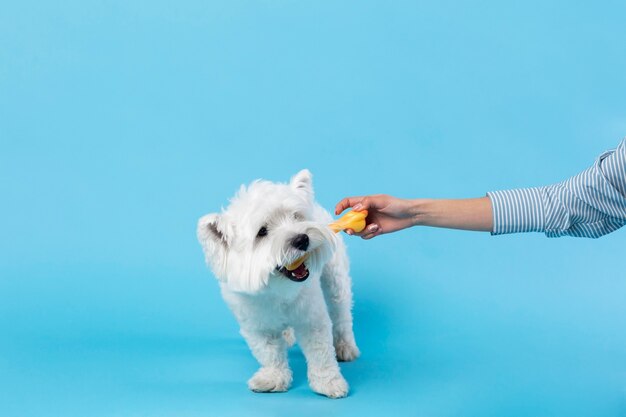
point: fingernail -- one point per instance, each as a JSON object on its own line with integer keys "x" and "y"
{"x": 357, "y": 207}
{"x": 350, "y": 232}
{"x": 372, "y": 227}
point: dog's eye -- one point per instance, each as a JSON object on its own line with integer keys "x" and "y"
{"x": 262, "y": 232}
{"x": 298, "y": 216}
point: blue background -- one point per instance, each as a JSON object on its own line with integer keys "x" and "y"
{"x": 122, "y": 122}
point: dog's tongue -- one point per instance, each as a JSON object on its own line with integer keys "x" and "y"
{"x": 300, "y": 271}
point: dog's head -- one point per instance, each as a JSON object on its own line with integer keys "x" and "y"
{"x": 267, "y": 234}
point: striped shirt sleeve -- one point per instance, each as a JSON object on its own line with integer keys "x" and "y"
{"x": 590, "y": 204}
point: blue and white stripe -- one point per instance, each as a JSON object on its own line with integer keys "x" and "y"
{"x": 590, "y": 204}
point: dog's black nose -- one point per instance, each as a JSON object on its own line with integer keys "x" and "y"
{"x": 300, "y": 242}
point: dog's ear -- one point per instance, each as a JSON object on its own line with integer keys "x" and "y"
{"x": 214, "y": 237}
{"x": 303, "y": 183}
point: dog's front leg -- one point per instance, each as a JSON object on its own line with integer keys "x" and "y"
{"x": 270, "y": 349}
{"x": 316, "y": 340}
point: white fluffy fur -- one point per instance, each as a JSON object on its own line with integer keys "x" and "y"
{"x": 269, "y": 306}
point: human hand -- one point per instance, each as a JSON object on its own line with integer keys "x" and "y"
{"x": 386, "y": 214}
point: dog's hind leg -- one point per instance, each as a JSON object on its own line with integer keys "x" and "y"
{"x": 337, "y": 288}
{"x": 270, "y": 349}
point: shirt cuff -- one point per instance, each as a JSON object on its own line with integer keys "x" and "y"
{"x": 612, "y": 165}
{"x": 517, "y": 211}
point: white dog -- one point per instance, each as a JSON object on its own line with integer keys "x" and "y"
{"x": 267, "y": 228}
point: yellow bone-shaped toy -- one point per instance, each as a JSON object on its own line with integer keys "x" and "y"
{"x": 354, "y": 220}
{"x": 297, "y": 262}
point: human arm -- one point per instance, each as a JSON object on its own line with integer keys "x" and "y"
{"x": 590, "y": 204}
{"x": 388, "y": 214}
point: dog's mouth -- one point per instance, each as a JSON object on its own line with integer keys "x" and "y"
{"x": 297, "y": 270}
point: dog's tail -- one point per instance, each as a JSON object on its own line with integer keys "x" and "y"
{"x": 289, "y": 336}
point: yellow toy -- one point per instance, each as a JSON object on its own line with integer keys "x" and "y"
{"x": 354, "y": 220}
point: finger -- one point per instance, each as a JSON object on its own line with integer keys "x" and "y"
{"x": 363, "y": 204}
{"x": 349, "y": 231}
{"x": 371, "y": 229}
{"x": 368, "y": 236}
{"x": 347, "y": 202}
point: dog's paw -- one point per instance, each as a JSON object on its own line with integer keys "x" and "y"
{"x": 346, "y": 351}
{"x": 334, "y": 387}
{"x": 270, "y": 380}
